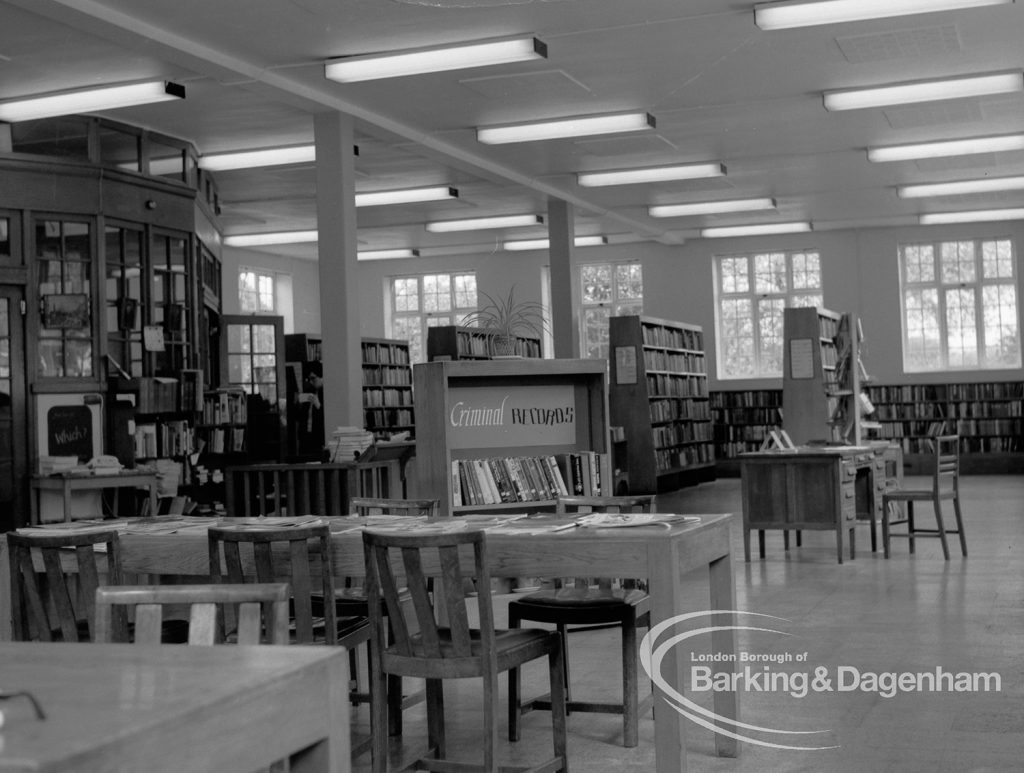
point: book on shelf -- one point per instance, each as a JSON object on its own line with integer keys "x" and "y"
{"x": 513, "y": 479}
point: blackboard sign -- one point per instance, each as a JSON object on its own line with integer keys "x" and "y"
{"x": 69, "y": 431}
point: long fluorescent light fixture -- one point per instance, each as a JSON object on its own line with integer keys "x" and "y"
{"x": 543, "y": 244}
{"x": 710, "y": 207}
{"x": 484, "y": 223}
{"x": 755, "y": 230}
{"x": 925, "y": 91}
{"x": 406, "y": 196}
{"x": 89, "y": 100}
{"x": 947, "y": 148}
{"x": 807, "y": 13}
{"x": 976, "y": 216}
{"x": 478, "y": 53}
{"x": 983, "y": 185}
{"x": 580, "y": 126}
{"x": 247, "y": 159}
{"x": 278, "y": 237}
{"x": 387, "y": 254}
{"x": 651, "y": 174}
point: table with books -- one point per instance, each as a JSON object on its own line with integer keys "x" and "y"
{"x": 663, "y": 548}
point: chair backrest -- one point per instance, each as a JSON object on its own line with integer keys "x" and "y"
{"x": 261, "y": 610}
{"x": 53, "y": 583}
{"x": 292, "y": 489}
{"x": 946, "y": 464}
{"x": 378, "y": 506}
{"x": 639, "y": 503}
{"x": 408, "y": 561}
{"x": 299, "y": 555}
{"x": 379, "y": 478}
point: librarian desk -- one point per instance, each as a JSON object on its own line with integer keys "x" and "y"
{"x": 67, "y": 483}
{"x": 814, "y": 488}
{"x": 662, "y": 556}
{"x": 160, "y": 709}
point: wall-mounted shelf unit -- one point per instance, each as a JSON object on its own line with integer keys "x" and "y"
{"x": 659, "y": 396}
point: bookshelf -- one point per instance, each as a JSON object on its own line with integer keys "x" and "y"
{"x": 659, "y": 396}
{"x": 741, "y": 421}
{"x": 303, "y": 379}
{"x": 387, "y": 387}
{"x": 485, "y": 413}
{"x": 987, "y": 416}
{"x": 451, "y": 342}
{"x": 810, "y": 393}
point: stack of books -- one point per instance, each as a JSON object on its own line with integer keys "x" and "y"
{"x": 347, "y": 443}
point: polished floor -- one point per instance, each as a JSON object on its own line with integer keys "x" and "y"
{"x": 910, "y": 614}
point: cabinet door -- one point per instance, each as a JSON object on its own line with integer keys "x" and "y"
{"x": 252, "y": 357}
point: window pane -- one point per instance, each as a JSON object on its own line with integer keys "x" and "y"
{"x": 770, "y": 273}
{"x": 407, "y": 294}
{"x": 769, "y": 320}
{"x": 465, "y": 291}
{"x": 806, "y": 271}
{"x": 737, "y": 339}
{"x": 919, "y": 263}
{"x": 997, "y": 260}
{"x": 629, "y": 280}
{"x": 1002, "y": 344}
{"x": 408, "y": 329}
{"x": 957, "y": 259}
{"x": 923, "y": 336}
{"x": 595, "y": 332}
{"x": 437, "y": 293}
{"x": 961, "y": 334}
{"x": 596, "y": 283}
{"x": 806, "y": 301}
{"x": 734, "y": 275}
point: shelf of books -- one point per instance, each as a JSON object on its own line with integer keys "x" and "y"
{"x": 452, "y": 342}
{"x": 742, "y": 421}
{"x": 387, "y": 387}
{"x": 987, "y": 416}
{"x": 511, "y": 434}
{"x": 659, "y": 396}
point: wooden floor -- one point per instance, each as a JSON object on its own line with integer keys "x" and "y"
{"x": 907, "y": 614}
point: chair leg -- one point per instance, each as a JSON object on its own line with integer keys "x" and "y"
{"x": 910, "y": 523}
{"x": 760, "y": 541}
{"x": 885, "y": 527}
{"x": 559, "y": 699}
{"x": 435, "y": 718}
{"x": 937, "y": 505}
{"x": 378, "y": 721}
{"x": 799, "y": 538}
{"x": 490, "y": 722}
{"x": 960, "y": 524}
{"x": 630, "y": 707}
{"x": 785, "y": 540}
{"x": 874, "y": 536}
{"x": 514, "y": 688}
{"x": 394, "y": 705}
{"x": 563, "y": 635}
{"x": 746, "y": 544}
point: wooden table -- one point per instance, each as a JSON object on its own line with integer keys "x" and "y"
{"x": 67, "y": 483}
{"x": 127, "y": 708}
{"x": 663, "y": 556}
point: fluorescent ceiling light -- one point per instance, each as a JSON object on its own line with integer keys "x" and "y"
{"x": 755, "y": 230}
{"x": 281, "y": 237}
{"x": 388, "y": 254}
{"x": 543, "y": 244}
{"x": 946, "y": 148}
{"x": 484, "y": 223}
{"x": 247, "y": 159}
{"x": 925, "y": 91}
{"x": 984, "y": 185}
{"x": 406, "y": 196}
{"x": 436, "y": 59}
{"x": 89, "y": 100}
{"x": 580, "y": 126}
{"x": 651, "y": 174}
{"x": 805, "y": 13}
{"x": 710, "y": 207}
{"x": 976, "y": 216}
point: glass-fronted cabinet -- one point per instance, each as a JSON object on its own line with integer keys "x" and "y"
{"x": 252, "y": 353}
{"x": 63, "y": 251}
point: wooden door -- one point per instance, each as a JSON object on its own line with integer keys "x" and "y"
{"x": 13, "y": 424}
{"x": 252, "y": 357}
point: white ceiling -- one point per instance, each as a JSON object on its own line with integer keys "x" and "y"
{"x": 719, "y": 88}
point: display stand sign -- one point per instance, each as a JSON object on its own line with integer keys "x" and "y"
{"x": 512, "y": 416}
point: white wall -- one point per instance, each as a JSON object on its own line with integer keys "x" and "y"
{"x": 860, "y": 268}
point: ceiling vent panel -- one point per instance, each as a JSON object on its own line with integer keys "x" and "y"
{"x": 901, "y": 44}
{"x": 544, "y": 87}
{"x": 935, "y": 114}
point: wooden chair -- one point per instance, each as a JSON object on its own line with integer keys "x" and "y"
{"x": 352, "y": 598}
{"x": 59, "y": 602}
{"x": 945, "y": 475}
{"x": 422, "y": 648}
{"x": 261, "y": 608}
{"x": 295, "y": 489}
{"x": 301, "y": 556}
{"x": 587, "y": 602}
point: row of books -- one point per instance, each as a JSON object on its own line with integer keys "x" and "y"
{"x": 225, "y": 440}
{"x": 663, "y": 384}
{"x": 504, "y": 480}
{"x": 680, "y": 362}
{"x": 685, "y": 456}
{"x": 393, "y": 417}
{"x": 386, "y": 397}
{"x": 169, "y": 438}
{"x": 678, "y": 434}
{"x": 731, "y": 433}
{"x": 390, "y": 376}
{"x": 912, "y": 393}
{"x": 673, "y": 410}
{"x": 385, "y": 354}
{"x": 753, "y": 398}
{"x": 962, "y": 409}
{"x": 672, "y": 337}
{"x": 225, "y": 407}
{"x": 748, "y": 416}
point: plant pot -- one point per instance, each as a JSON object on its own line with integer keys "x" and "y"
{"x": 503, "y": 346}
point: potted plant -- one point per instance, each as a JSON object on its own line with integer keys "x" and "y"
{"x": 506, "y": 318}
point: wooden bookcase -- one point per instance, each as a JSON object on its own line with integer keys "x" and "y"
{"x": 809, "y": 389}
{"x": 451, "y": 342}
{"x": 306, "y": 434}
{"x": 987, "y": 416}
{"x": 387, "y": 387}
{"x": 501, "y": 409}
{"x": 659, "y": 396}
{"x": 741, "y": 421}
